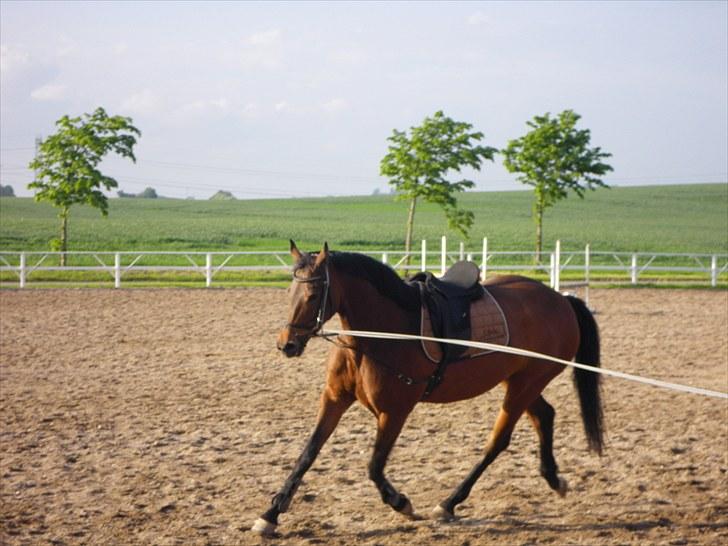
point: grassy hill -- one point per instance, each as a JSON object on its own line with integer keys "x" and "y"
{"x": 686, "y": 218}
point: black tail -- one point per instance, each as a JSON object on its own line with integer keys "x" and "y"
{"x": 587, "y": 383}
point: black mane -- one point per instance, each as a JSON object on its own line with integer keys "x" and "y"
{"x": 382, "y": 277}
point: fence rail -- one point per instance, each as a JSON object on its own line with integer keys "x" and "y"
{"x": 208, "y": 264}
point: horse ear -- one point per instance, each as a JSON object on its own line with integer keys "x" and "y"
{"x": 294, "y": 251}
{"x": 323, "y": 255}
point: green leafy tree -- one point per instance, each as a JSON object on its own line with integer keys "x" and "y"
{"x": 6, "y": 191}
{"x": 418, "y": 163}
{"x": 555, "y": 158}
{"x": 66, "y": 164}
{"x": 148, "y": 193}
{"x": 222, "y": 195}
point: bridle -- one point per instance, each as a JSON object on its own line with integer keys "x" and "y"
{"x": 308, "y": 329}
{"x": 311, "y": 331}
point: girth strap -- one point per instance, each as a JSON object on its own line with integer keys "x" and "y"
{"x": 440, "y": 310}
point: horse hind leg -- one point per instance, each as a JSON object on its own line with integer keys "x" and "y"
{"x": 500, "y": 438}
{"x": 521, "y": 391}
{"x": 542, "y": 415}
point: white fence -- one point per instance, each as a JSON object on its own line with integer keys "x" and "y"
{"x": 209, "y": 264}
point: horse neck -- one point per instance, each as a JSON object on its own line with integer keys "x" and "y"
{"x": 362, "y": 307}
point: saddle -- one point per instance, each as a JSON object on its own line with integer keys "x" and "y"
{"x": 452, "y": 306}
{"x": 448, "y": 301}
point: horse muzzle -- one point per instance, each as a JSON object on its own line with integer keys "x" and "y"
{"x": 291, "y": 349}
{"x": 290, "y": 344}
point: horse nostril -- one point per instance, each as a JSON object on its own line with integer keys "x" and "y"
{"x": 290, "y": 348}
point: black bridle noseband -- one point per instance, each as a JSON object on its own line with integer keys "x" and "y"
{"x": 324, "y": 299}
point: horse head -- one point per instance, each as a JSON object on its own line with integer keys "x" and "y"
{"x": 310, "y": 304}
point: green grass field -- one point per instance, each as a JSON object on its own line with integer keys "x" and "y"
{"x": 686, "y": 218}
{"x": 673, "y": 219}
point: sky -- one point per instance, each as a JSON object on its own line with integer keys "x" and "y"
{"x": 279, "y": 99}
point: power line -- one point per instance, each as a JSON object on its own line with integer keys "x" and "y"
{"x": 259, "y": 172}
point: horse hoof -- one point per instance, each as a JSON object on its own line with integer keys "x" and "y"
{"x": 408, "y": 511}
{"x": 263, "y": 527}
{"x": 443, "y": 514}
{"x": 563, "y": 487}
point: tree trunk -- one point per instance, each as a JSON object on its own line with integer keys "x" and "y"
{"x": 410, "y": 228}
{"x": 64, "y": 235}
{"x": 538, "y": 216}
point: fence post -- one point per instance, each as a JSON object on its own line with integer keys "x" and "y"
{"x": 384, "y": 258}
{"x": 462, "y": 251}
{"x": 423, "y": 265}
{"x": 484, "y": 263}
{"x": 552, "y": 262}
{"x": 557, "y": 266}
{"x": 714, "y": 270}
{"x": 117, "y": 270}
{"x": 633, "y": 269}
{"x": 587, "y": 259}
{"x": 22, "y": 270}
{"x": 208, "y": 270}
{"x": 443, "y": 258}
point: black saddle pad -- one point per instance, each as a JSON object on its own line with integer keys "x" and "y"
{"x": 448, "y": 301}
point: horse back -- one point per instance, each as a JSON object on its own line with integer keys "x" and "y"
{"x": 539, "y": 318}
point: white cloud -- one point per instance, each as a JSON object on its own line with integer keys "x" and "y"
{"x": 49, "y": 92}
{"x": 335, "y": 105}
{"x": 262, "y": 49}
{"x": 282, "y": 106}
{"x": 351, "y": 56}
{"x": 478, "y": 18}
{"x": 121, "y": 48}
{"x": 265, "y": 38}
{"x": 205, "y": 106}
{"x": 250, "y": 110}
{"x": 66, "y": 48}
{"x": 12, "y": 58}
{"x": 143, "y": 102}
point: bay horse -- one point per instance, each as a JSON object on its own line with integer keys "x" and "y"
{"x": 390, "y": 377}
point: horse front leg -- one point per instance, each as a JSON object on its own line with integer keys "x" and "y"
{"x": 388, "y": 428}
{"x": 331, "y": 409}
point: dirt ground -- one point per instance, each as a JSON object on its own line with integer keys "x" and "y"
{"x": 167, "y": 417}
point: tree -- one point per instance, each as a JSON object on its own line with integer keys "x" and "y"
{"x": 6, "y": 191}
{"x": 148, "y": 193}
{"x": 222, "y": 195}
{"x": 555, "y": 158}
{"x": 66, "y": 163}
{"x": 417, "y": 164}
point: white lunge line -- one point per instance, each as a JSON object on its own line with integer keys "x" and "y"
{"x": 532, "y": 354}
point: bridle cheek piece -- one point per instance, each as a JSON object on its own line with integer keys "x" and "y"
{"x": 313, "y": 330}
